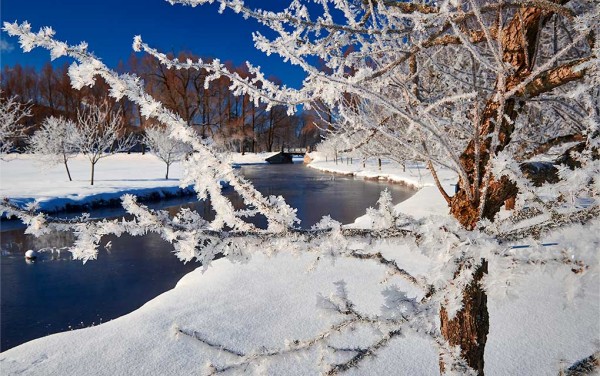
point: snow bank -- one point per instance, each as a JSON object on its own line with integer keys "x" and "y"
{"x": 412, "y": 173}
{"x": 26, "y": 179}
{"x": 260, "y": 303}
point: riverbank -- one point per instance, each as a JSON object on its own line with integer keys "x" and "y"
{"x": 537, "y": 326}
{"x": 413, "y": 174}
{"x": 426, "y": 201}
{"x": 27, "y": 180}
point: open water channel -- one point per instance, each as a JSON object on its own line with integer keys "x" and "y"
{"x": 56, "y": 294}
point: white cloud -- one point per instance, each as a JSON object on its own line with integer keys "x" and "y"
{"x": 5, "y": 46}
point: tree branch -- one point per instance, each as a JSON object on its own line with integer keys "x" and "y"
{"x": 540, "y": 149}
{"x": 553, "y": 78}
{"x": 407, "y": 7}
{"x": 556, "y": 221}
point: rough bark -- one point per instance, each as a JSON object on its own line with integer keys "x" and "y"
{"x": 470, "y": 327}
{"x": 540, "y": 172}
{"x": 519, "y": 43}
{"x": 510, "y": 204}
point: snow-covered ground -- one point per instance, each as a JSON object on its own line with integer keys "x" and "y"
{"x": 27, "y": 179}
{"x": 540, "y": 326}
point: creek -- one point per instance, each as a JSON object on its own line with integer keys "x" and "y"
{"x": 56, "y": 293}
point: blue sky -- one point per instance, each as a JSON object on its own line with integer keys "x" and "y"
{"x": 110, "y": 25}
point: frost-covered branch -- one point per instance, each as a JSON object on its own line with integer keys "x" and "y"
{"x": 555, "y": 221}
{"x": 586, "y": 366}
{"x": 254, "y": 84}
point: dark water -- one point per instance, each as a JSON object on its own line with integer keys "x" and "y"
{"x": 55, "y": 293}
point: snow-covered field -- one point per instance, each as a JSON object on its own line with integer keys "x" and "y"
{"x": 27, "y": 179}
{"x": 536, "y": 327}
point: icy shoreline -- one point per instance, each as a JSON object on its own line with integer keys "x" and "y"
{"x": 259, "y": 304}
{"x": 25, "y": 181}
{"x": 425, "y": 202}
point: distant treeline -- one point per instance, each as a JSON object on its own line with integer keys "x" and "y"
{"x": 233, "y": 121}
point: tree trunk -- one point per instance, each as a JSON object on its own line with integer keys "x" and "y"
{"x": 510, "y": 204}
{"x": 167, "y": 174}
{"x": 482, "y": 194}
{"x": 519, "y": 39}
{"x": 67, "y": 168}
{"x": 92, "y": 178}
{"x": 469, "y": 328}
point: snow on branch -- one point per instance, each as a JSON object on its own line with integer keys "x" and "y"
{"x": 255, "y": 85}
{"x": 557, "y": 220}
{"x": 55, "y": 141}
{"x": 586, "y": 366}
{"x": 164, "y": 147}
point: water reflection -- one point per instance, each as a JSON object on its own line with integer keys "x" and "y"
{"x": 55, "y": 294}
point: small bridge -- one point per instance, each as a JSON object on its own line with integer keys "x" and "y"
{"x": 286, "y": 154}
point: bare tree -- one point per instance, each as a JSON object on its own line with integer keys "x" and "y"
{"x": 100, "y": 134}
{"x": 166, "y": 148}
{"x": 55, "y": 141}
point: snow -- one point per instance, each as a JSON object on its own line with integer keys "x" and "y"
{"x": 416, "y": 174}
{"x": 26, "y": 179}
{"x": 537, "y": 324}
